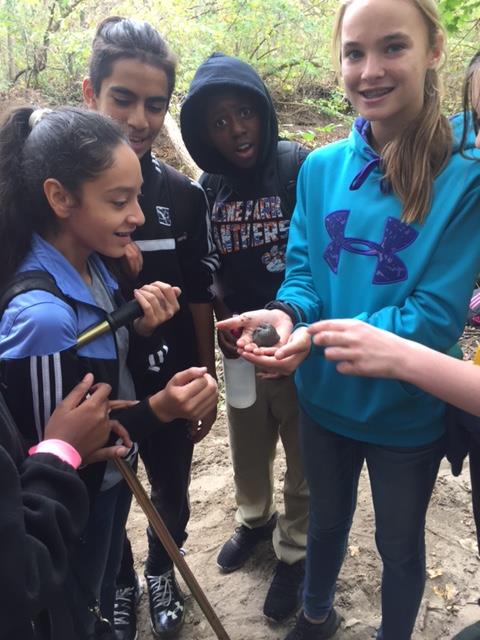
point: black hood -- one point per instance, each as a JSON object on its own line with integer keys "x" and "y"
{"x": 220, "y": 72}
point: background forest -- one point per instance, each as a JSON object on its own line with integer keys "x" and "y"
{"x": 44, "y": 45}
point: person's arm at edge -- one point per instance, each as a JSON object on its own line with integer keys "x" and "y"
{"x": 48, "y": 507}
{"x": 363, "y": 350}
{"x": 448, "y": 378}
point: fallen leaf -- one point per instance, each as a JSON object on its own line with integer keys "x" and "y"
{"x": 447, "y": 592}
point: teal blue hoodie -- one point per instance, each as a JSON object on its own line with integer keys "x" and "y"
{"x": 350, "y": 256}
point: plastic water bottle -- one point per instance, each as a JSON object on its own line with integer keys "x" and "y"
{"x": 240, "y": 385}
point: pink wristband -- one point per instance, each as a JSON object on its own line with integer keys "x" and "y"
{"x": 58, "y": 448}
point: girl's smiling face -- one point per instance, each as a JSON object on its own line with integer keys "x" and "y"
{"x": 102, "y": 217}
{"x": 385, "y": 57}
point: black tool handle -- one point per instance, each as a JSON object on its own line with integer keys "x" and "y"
{"x": 124, "y": 315}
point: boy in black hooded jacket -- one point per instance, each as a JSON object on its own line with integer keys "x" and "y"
{"x": 230, "y": 128}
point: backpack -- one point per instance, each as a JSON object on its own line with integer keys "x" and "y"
{"x": 28, "y": 281}
{"x": 173, "y": 187}
{"x": 290, "y": 157}
{"x": 44, "y": 281}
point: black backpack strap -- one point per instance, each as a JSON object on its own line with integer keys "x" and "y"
{"x": 211, "y": 184}
{"x": 290, "y": 157}
{"x": 172, "y": 182}
{"x": 29, "y": 281}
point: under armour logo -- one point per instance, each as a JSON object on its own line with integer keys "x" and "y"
{"x": 163, "y": 215}
{"x": 396, "y": 237}
{"x": 174, "y": 613}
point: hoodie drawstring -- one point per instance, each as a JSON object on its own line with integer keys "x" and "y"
{"x": 366, "y": 170}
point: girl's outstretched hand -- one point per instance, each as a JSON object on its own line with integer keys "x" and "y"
{"x": 246, "y": 323}
{"x": 159, "y": 303}
{"x": 82, "y": 420}
{"x": 359, "y": 348}
{"x": 191, "y": 394}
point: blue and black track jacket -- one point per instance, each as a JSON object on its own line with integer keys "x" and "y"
{"x": 39, "y": 361}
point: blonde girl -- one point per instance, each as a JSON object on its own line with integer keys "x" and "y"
{"x": 381, "y": 233}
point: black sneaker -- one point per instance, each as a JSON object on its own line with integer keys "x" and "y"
{"x": 167, "y": 604}
{"x": 125, "y": 611}
{"x": 305, "y": 630}
{"x": 285, "y": 592}
{"x": 236, "y": 551}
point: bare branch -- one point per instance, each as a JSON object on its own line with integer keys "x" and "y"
{"x": 20, "y": 74}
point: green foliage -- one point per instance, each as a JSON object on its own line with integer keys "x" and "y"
{"x": 44, "y": 44}
{"x": 333, "y": 104}
{"x": 310, "y": 137}
{"x": 459, "y": 14}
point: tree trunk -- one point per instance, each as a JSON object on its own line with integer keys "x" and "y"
{"x": 172, "y": 131}
{"x": 12, "y": 70}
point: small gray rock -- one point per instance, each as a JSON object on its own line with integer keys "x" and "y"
{"x": 265, "y": 335}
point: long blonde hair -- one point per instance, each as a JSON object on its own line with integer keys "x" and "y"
{"x": 412, "y": 160}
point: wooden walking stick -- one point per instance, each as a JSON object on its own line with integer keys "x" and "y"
{"x": 171, "y": 548}
{"x": 125, "y": 314}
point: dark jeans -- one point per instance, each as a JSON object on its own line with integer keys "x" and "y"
{"x": 401, "y": 481}
{"x": 167, "y": 456}
{"x": 95, "y": 560}
{"x": 474, "y": 456}
{"x": 466, "y": 431}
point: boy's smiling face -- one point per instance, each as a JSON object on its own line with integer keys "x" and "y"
{"x": 234, "y": 127}
{"x": 136, "y": 95}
